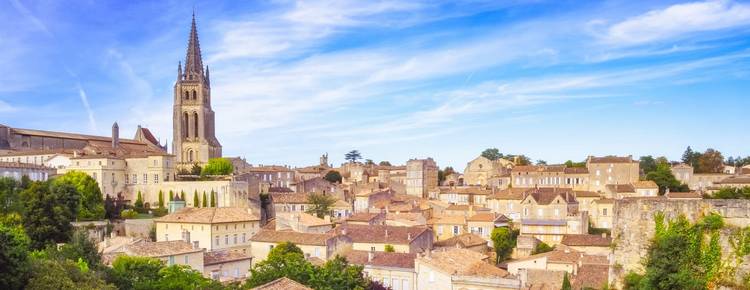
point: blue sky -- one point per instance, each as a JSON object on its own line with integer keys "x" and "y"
{"x": 554, "y": 80}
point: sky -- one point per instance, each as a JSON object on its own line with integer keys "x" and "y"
{"x": 291, "y": 80}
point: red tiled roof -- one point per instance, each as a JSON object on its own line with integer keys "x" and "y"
{"x": 382, "y": 259}
{"x": 381, "y": 234}
{"x": 586, "y": 240}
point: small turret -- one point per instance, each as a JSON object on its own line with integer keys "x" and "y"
{"x": 208, "y": 79}
{"x": 179, "y": 70}
{"x": 115, "y": 135}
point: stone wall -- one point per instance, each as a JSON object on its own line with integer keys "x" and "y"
{"x": 633, "y": 226}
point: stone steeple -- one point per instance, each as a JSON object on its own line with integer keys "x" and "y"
{"x": 193, "y": 61}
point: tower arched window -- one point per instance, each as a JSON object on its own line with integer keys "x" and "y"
{"x": 187, "y": 95}
{"x": 190, "y": 155}
{"x": 195, "y": 95}
{"x": 195, "y": 119}
{"x": 185, "y": 124}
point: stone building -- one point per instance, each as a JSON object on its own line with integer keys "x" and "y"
{"x": 611, "y": 170}
{"x": 214, "y": 229}
{"x": 421, "y": 177}
{"x": 460, "y": 269}
{"x": 481, "y": 171}
{"x": 194, "y": 135}
{"x": 394, "y": 270}
{"x": 17, "y": 170}
{"x": 376, "y": 237}
{"x": 529, "y": 176}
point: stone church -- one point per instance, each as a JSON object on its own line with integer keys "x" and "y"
{"x": 194, "y": 139}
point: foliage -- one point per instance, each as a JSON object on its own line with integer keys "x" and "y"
{"x": 352, "y": 156}
{"x": 503, "y": 241}
{"x": 284, "y": 260}
{"x": 136, "y": 272}
{"x": 690, "y": 157}
{"x": 81, "y": 247}
{"x": 91, "y": 201}
{"x": 161, "y": 199}
{"x": 710, "y": 161}
{"x": 492, "y": 154}
{"x": 338, "y": 274}
{"x": 171, "y": 195}
{"x": 333, "y": 176}
{"x": 731, "y": 193}
{"x": 218, "y": 166}
{"x": 196, "y": 169}
{"x": 205, "y": 200}
{"x": 712, "y": 222}
{"x": 384, "y": 163}
{"x": 10, "y": 197}
{"x": 128, "y": 214}
{"x": 571, "y": 164}
{"x": 320, "y": 204}
{"x": 664, "y": 178}
{"x": 213, "y": 198}
{"x": 542, "y": 247}
{"x": 389, "y": 248}
{"x": 647, "y": 164}
{"x": 632, "y": 281}
{"x": 181, "y": 277}
{"x": 443, "y": 174}
{"x": 196, "y": 200}
{"x": 49, "y": 210}
{"x": 64, "y": 274}
{"x": 182, "y": 196}
{"x": 541, "y": 162}
{"x": 139, "y": 202}
{"x": 369, "y": 162}
{"x": 14, "y": 260}
{"x": 566, "y": 283}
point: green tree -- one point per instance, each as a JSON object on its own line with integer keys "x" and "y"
{"x": 571, "y": 164}
{"x": 81, "y": 247}
{"x": 196, "y": 170}
{"x": 566, "y": 283}
{"x": 10, "y": 197}
{"x": 338, "y": 274}
{"x": 369, "y": 162}
{"x": 171, "y": 195}
{"x": 182, "y": 277}
{"x": 664, "y": 178}
{"x": 284, "y": 260}
{"x": 64, "y": 274}
{"x": 14, "y": 260}
{"x": 690, "y": 157}
{"x": 503, "y": 241}
{"x": 333, "y": 176}
{"x": 710, "y": 161}
{"x": 136, "y": 272}
{"x": 161, "y": 199}
{"x": 492, "y": 154}
{"x": 213, "y": 198}
{"x": 352, "y": 156}
{"x": 647, "y": 164}
{"x": 389, "y": 248}
{"x": 731, "y": 193}
{"x": 218, "y": 166}
{"x": 49, "y": 210}
{"x": 196, "y": 201}
{"x": 320, "y": 204}
{"x": 182, "y": 196}
{"x": 91, "y": 200}
{"x": 205, "y": 200}
{"x": 139, "y": 202}
{"x": 542, "y": 247}
{"x": 384, "y": 163}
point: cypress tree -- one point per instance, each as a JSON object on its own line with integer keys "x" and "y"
{"x": 161, "y": 199}
{"x": 182, "y": 195}
{"x": 196, "y": 202}
{"x": 171, "y": 195}
{"x": 205, "y": 200}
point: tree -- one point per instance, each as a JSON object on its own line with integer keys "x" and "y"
{"x": 14, "y": 260}
{"x": 369, "y": 162}
{"x": 710, "y": 161}
{"x": 182, "y": 277}
{"x": 205, "y": 200}
{"x": 389, "y": 248}
{"x": 519, "y": 159}
{"x": 503, "y": 241}
{"x": 136, "y": 272}
{"x": 10, "y": 198}
{"x": 218, "y": 166}
{"x": 647, "y": 164}
{"x": 81, "y": 247}
{"x": 139, "y": 202}
{"x": 384, "y": 163}
{"x": 541, "y": 162}
{"x": 64, "y": 274}
{"x": 333, "y": 176}
{"x": 566, "y": 283}
{"x": 171, "y": 195}
{"x": 571, "y": 164}
{"x": 320, "y": 204}
{"x": 542, "y": 247}
{"x": 690, "y": 157}
{"x": 284, "y": 260}
{"x": 49, "y": 210}
{"x": 213, "y": 198}
{"x": 731, "y": 193}
{"x": 492, "y": 154}
{"x": 196, "y": 200}
{"x": 196, "y": 169}
{"x": 182, "y": 196}
{"x": 91, "y": 200}
{"x": 338, "y": 274}
{"x": 353, "y": 156}
{"x": 664, "y": 178}
{"x": 161, "y": 199}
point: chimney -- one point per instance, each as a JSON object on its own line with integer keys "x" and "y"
{"x": 115, "y": 135}
{"x": 604, "y": 235}
{"x": 370, "y": 255}
{"x": 386, "y": 232}
{"x": 408, "y": 236}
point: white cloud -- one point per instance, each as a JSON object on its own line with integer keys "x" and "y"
{"x": 678, "y": 20}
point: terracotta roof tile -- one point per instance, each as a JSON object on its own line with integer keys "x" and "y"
{"x": 160, "y": 249}
{"x": 219, "y": 257}
{"x": 462, "y": 262}
{"x": 619, "y": 188}
{"x": 466, "y": 240}
{"x": 282, "y": 283}
{"x": 381, "y": 234}
{"x": 382, "y": 259}
{"x": 645, "y": 184}
{"x": 691, "y": 194}
{"x": 586, "y": 240}
{"x": 209, "y": 215}
{"x": 272, "y": 236}
{"x": 611, "y": 159}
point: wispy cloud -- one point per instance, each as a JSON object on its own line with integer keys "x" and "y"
{"x": 87, "y": 107}
{"x": 5, "y": 107}
{"x": 26, "y": 13}
{"x": 678, "y": 20}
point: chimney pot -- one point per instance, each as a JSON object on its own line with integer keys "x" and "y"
{"x": 370, "y": 255}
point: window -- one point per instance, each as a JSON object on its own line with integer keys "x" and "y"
{"x": 540, "y": 212}
{"x": 226, "y": 239}
{"x": 145, "y": 178}
{"x": 236, "y": 272}
{"x": 598, "y": 172}
{"x": 317, "y": 252}
{"x": 440, "y": 230}
{"x": 557, "y": 212}
{"x": 166, "y": 237}
{"x": 156, "y": 178}
{"x": 526, "y": 211}
{"x": 196, "y": 244}
{"x": 171, "y": 260}
{"x": 216, "y": 240}
{"x": 135, "y": 178}
{"x": 94, "y": 175}
{"x": 243, "y": 238}
{"x": 431, "y": 276}
{"x": 235, "y": 239}
{"x": 186, "y": 259}
{"x": 604, "y": 212}
{"x": 372, "y": 249}
{"x": 455, "y": 230}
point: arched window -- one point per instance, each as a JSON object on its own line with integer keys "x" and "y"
{"x": 185, "y": 125}
{"x": 190, "y": 155}
{"x": 195, "y": 117}
{"x": 187, "y": 95}
{"x": 195, "y": 95}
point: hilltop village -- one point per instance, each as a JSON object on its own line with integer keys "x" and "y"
{"x": 501, "y": 222}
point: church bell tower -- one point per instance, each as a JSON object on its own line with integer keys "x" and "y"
{"x": 193, "y": 119}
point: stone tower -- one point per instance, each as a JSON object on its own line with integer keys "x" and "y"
{"x": 194, "y": 138}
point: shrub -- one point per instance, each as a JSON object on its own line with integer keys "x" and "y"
{"x": 128, "y": 214}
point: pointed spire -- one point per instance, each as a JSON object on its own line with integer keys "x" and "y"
{"x": 208, "y": 79}
{"x": 193, "y": 61}
{"x": 179, "y": 70}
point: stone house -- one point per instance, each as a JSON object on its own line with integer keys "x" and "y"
{"x": 322, "y": 246}
{"x": 483, "y": 223}
{"x": 394, "y": 270}
{"x": 226, "y": 266}
{"x": 467, "y": 241}
{"x": 421, "y": 177}
{"x": 481, "y": 171}
{"x": 366, "y": 218}
{"x": 611, "y": 170}
{"x": 213, "y": 228}
{"x": 589, "y": 244}
{"x": 449, "y": 226}
{"x": 602, "y": 214}
{"x": 549, "y": 268}
{"x": 460, "y": 269}
{"x": 375, "y": 238}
